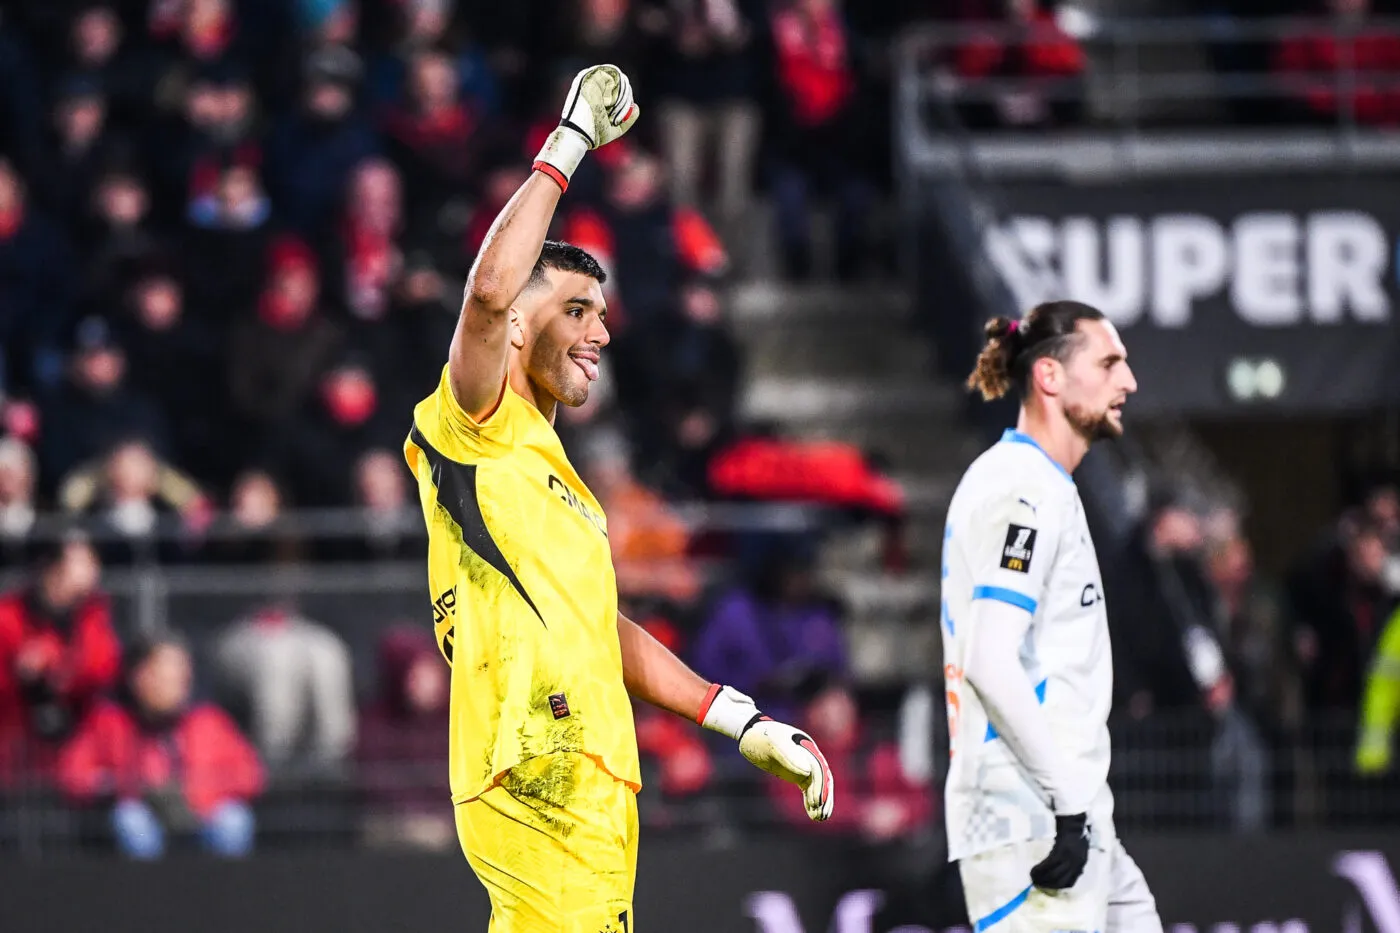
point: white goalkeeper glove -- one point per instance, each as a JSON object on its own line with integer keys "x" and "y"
{"x": 779, "y": 749}
{"x": 598, "y": 109}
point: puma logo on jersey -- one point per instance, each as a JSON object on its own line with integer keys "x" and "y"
{"x": 567, "y": 495}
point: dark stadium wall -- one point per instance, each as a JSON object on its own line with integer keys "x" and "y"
{"x": 1295, "y": 883}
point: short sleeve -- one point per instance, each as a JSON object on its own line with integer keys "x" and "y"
{"x": 453, "y": 430}
{"x": 1012, "y": 546}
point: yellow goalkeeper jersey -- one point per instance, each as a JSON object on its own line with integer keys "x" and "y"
{"x": 524, "y": 594}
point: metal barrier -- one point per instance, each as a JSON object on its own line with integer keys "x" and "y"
{"x": 1158, "y": 96}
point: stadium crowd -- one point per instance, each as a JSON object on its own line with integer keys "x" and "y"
{"x": 232, "y": 238}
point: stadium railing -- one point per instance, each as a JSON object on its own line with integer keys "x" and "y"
{"x": 1158, "y": 96}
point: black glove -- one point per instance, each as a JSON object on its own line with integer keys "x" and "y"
{"x": 1067, "y": 858}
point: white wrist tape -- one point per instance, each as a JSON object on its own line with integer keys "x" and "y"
{"x": 562, "y": 152}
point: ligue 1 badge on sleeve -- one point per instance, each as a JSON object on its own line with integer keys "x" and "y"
{"x": 1019, "y": 547}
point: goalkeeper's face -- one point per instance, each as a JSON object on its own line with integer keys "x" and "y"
{"x": 564, "y": 335}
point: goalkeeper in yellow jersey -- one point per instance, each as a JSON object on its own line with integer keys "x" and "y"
{"x": 544, "y": 769}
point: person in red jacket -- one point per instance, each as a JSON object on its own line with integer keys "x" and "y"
{"x": 171, "y": 768}
{"x": 1311, "y": 66}
{"x": 58, "y": 651}
{"x": 1030, "y": 47}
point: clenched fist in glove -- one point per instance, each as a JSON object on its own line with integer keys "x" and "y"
{"x": 598, "y": 109}
{"x": 779, "y": 749}
{"x": 1070, "y": 853}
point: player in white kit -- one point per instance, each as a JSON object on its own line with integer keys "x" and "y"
{"x": 1026, "y": 654}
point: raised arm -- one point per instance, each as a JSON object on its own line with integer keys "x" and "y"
{"x": 477, "y": 359}
{"x": 597, "y": 110}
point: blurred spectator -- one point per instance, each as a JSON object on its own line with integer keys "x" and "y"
{"x": 682, "y": 380}
{"x": 173, "y": 356}
{"x": 649, "y": 541}
{"x": 168, "y": 767}
{"x": 769, "y": 637}
{"x": 96, "y": 48}
{"x": 1159, "y": 603}
{"x": 192, "y": 34}
{"x": 117, "y": 234}
{"x": 878, "y": 801}
{"x": 402, "y": 748}
{"x": 1338, "y": 606}
{"x": 80, "y": 144}
{"x": 366, "y": 261}
{"x": 1168, "y": 656}
{"x": 275, "y": 356}
{"x": 96, "y": 408}
{"x": 392, "y": 519}
{"x": 422, "y": 25}
{"x": 1029, "y": 50}
{"x": 384, "y": 269}
{"x": 36, "y": 289}
{"x": 1380, "y": 704}
{"x": 227, "y": 245}
{"x": 432, "y": 133}
{"x": 1255, "y": 633}
{"x": 818, "y": 86}
{"x": 217, "y": 129}
{"x": 126, "y": 495}
{"x": 706, "y": 91}
{"x": 1311, "y": 68}
{"x": 1383, "y": 509}
{"x": 646, "y": 243}
{"x": 346, "y": 417}
{"x": 290, "y": 677}
{"x": 234, "y": 202}
{"x": 17, "y": 514}
{"x": 328, "y": 22}
{"x": 313, "y": 149}
{"x": 58, "y": 652}
{"x": 253, "y": 530}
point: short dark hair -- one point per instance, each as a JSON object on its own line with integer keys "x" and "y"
{"x": 1012, "y": 347}
{"x": 566, "y": 257}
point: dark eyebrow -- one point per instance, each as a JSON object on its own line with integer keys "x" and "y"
{"x": 586, "y": 302}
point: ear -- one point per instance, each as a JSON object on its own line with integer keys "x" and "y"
{"x": 1048, "y": 374}
{"x": 517, "y": 329}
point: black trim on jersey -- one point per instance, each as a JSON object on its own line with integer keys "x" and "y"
{"x": 461, "y": 504}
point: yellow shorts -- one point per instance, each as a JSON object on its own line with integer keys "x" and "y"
{"x": 555, "y": 844}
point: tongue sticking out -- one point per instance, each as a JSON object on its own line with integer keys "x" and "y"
{"x": 590, "y": 368}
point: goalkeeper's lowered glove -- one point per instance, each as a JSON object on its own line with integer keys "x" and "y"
{"x": 779, "y": 749}
{"x": 598, "y": 109}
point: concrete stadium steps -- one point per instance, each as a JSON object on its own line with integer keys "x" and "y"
{"x": 922, "y": 446}
{"x": 838, "y": 347}
{"x": 774, "y": 303}
{"x": 802, "y": 401}
{"x": 846, "y": 364}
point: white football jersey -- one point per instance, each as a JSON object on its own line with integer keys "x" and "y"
{"x": 1016, "y": 532}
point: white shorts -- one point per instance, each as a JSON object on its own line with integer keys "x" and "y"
{"x": 1110, "y": 897}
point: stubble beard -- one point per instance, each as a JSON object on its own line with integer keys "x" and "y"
{"x": 1093, "y": 427}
